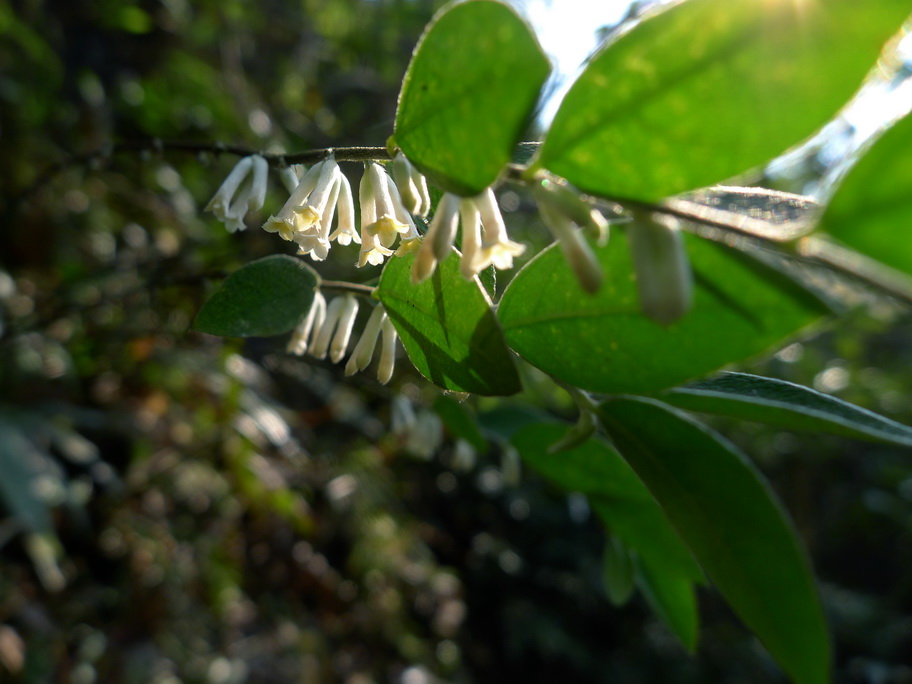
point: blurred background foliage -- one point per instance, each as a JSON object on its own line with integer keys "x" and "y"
{"x": 181, "y": 508}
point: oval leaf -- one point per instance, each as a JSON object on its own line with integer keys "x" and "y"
{"x": 448, "y": 328}
{"x": 711, "y": 88}
{"x": 786, "y": 405}
{"x": 631, "y": 514}
{"x": 603, "y": 343}
{"x": 871, "y": 211}
{"x": 265, "y": 297}
{"x": 468, "y": 94}
{"x": 725, "y": 512}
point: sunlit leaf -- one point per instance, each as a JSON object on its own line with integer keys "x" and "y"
{"x": 468, "y": 94}
{"x": 603, "y": 343}
{"x": 710, "y": 88}
{"x": 737, "y": 530}
{"x": 871, "y": 211}
{"x": 266, "y": 297}
{"x": 787, "y": 405}
{"x": 448, "y": 328}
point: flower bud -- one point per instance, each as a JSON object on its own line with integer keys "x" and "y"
{"x": 663, "y": 275}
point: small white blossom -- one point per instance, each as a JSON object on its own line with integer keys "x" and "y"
{"x": 335, "y": 332}
{"x": 438, "y": 242}
{"x": 471, "y": 237}
{"x": 562, "y": 210}
{"x": 242, "y": 191}
{"x": 303, "y": 212}
{"x": 364, "y": 350}
{"x": 387, "y": 351}
{"x": 663, "y": 275}
{"x": 380, "y": 218}
{"x": 345, "y": 232}
{"x": 412, "y": 186}
{"x": 309, "y": 326}
{"x": 496, "y": 248}
{"x": 290, "y": 178}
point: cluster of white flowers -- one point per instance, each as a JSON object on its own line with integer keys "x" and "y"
{"x": 484, "y": 236}
{"x": 327, "y": 329}
{"x": 388, "y": 205}
{"x": 306, "y": 218}
{"x": 231, "y": 202}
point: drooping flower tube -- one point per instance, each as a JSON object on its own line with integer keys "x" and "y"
{"x": 243, "y": 190}
{"x": 412, "y": 186}
{"x": 484, "y": 236}
{"x": 564, "y": 212}
{"x": 383, "y": 217}
{"x": 663, "y": 276}
{"x": 335, "y": 332}
{"x": 309, "y": 327}
{"x": 377, "y": 325}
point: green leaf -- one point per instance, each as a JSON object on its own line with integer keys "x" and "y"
{"x": 266, "y": 297}
{"x": 673, "y": 599}
{"x": 21, "y": 464}
{"x": 448, "y": 328}
{"x": 628, "y": 510}
{"x": 459, "y": 422}
{"x": 725, "y": 512}
{"x": 787, "y": 405}
{"x": 603, "y": 343}
{"x": 468, "y": 94}
{"x": 710, "y": 88}
{"x": 872, "y": 210}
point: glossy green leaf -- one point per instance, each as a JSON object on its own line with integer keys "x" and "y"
{"x": 871, "y": 211}
{"x": 628, "y": 510}
{"x": 711, "y": 88}
{"x": 468, "y": 94}
{"x": 786, "y": 405}
{"x": 448, "y": 328}
{"x": 734, "y": 525}
{"x": 603, "y": 343}
{"x": 21, "y": 465}
{"x": 672, "y": 598}
{"x": 266, "y": 297}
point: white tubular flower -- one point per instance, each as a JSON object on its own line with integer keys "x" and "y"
{"x": 412, "y": 186}
{"x": 438, "y": 242}
{"x": 315, "y": 240}
{"x": 303, "y": 212}
{"x": 231, "y": 203}
{"x": 334, "y": 334}
{"x": 663, "y": 275}
{"x": 471, "y": 237}
{"x": 364, "y": 350}
{"x": 387, "y": 352}
{"x": 289, "y": 178}
{"x": 561, "y": 223}
{"x": 345, "y": 232}
{"x": 577, "y": 252}
{"x": 402, "y": 215}
{"x": 309, "y": 327}
{"x": 496, "y": 248}
{"x": 379, "y": 224}
{"x": 283, "y": 223}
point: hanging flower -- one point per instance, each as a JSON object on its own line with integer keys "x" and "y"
{"x": 383, "y": 217}
{"x": 484, "y": 236}
{"x": 439, "y": 239}
{"x": 309, "y": 326}
{"x": 563, "y": 211}
{"x": 412, "y": 186}
{"x": 663, "y": 275}
{"x": 335, "y": 332}
{"x": 303, "y": 214}
{"x": 243, "y": 190}
{"x": 378, "y": 325}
